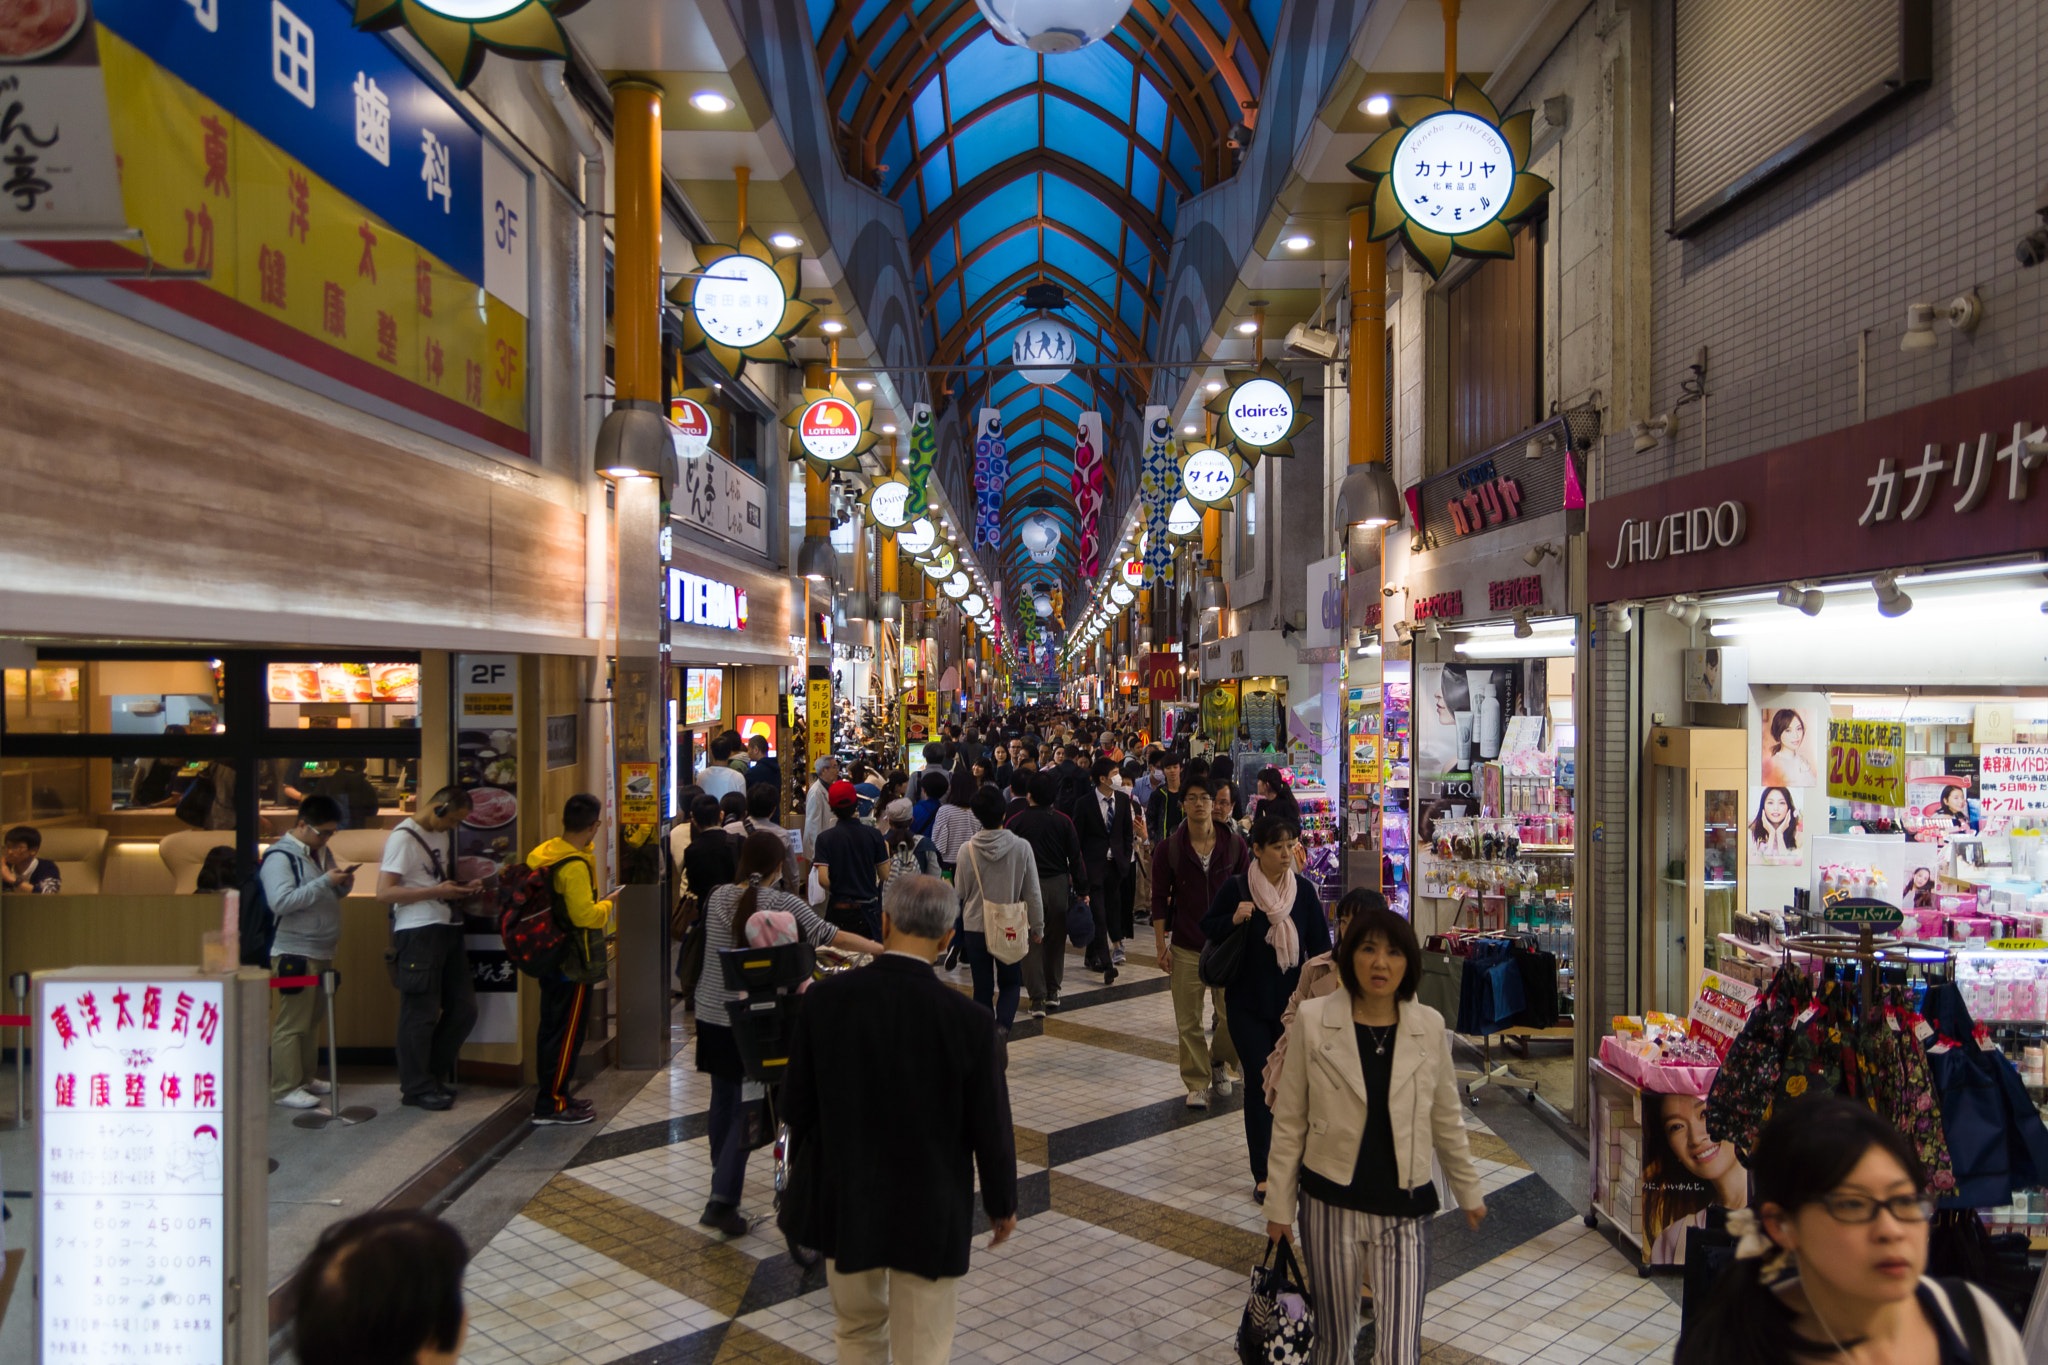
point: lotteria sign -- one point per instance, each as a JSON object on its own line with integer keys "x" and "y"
{"x": 829, "y": 430}
{"x": 696, "y": 601}
{"x": 690, "y": 428}
{"x": 1261, "y": 413}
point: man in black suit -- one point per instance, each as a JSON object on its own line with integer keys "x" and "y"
{"x": 893, "y": 1073}
{"x": 1073, "y": 777}
{"x": 1104, "y": 818}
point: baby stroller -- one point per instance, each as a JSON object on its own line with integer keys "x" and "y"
{"x": 768, "y": 983}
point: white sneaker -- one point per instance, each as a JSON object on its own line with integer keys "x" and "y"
{"x": 1227, "y": 1083}
{"x": 301, "y": 1098}
{"x": 317, "y": 1087}
{"x": 1197, "y": 1100}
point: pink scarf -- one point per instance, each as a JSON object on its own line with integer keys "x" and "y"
{"x": 1277, "y": 901}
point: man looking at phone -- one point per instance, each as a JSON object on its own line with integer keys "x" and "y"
{"x": 560, "y": 1031}
{"x": 437, "y": 998}
{"x": 303, "y": 888}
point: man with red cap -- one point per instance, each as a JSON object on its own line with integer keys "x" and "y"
{"x": 851, "y": 860}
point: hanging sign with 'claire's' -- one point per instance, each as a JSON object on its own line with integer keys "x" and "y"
{"x": 1449, "y": 177}
{"x": 1260, "y": 411}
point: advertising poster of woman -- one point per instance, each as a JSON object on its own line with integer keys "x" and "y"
{"x": 1777, "y": 834}
{"x": 1462, "y": 711}
{"x": 1787, "y": 759}
{"x": 1685, "y": 1174}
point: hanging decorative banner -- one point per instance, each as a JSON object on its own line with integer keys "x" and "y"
{"x": 1211, "y": 477}
{"x": 1260, "y": 411}
{"x": 991, "y": 473}
{"x": 887, "y": 502}
{"x": 689, "y": 415}
{"x": 1040, "y": 533}
{"x": 1158, "y": 486}
{"x": 459, "y": 33}
{"x": 1449, "y": 177}
{"x": 743, "y": 306}
{"x": 832, "y": 428}
{"x": 1088, "y": 485}
{"x": 924, "y": 446}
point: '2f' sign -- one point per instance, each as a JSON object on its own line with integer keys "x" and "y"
{"x": 481, "y": 675}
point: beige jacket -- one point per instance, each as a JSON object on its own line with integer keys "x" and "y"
{"x": 1319, "y": 1117}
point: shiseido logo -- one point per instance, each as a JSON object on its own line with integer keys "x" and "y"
{"x": 1680, "y": 533}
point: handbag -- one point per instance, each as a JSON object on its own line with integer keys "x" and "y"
{"x": 1080, "y": 921}
{"x": 1279, "y": 1323}
{"x": 1222, "y": 960}
{"x": 1006, "y": 926}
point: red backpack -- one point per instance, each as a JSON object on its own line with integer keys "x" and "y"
{"x": 536, "y": 937}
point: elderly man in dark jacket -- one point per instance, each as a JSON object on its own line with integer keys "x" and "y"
{"x": 1189, "y": 869}
{"x": 893, "y": 1072}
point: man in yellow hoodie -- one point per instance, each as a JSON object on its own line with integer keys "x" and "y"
{"x": 562, "y": 1000}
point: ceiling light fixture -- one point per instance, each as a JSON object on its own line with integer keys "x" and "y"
{"x": 1432, "y": 631}
{"x": 1891, "y": 599}
{"x": 1523, "y": 630}
{"x": 1299, "y": 242}
{"x": 1963, "y": 313}
{"x": 864, "y": 385}
{"x": 832, "y": 326}
{"x": 1802, "y": 597}
{"x": 710, "y": 101}
{"x": 1535, "y": 555}
{"x": 1683, "y": 608}
{"x": 1190, "y": 430}
{"x": 1648, "y": 433}
{"x": 785, "y": 241}
{"x": 888, "y": 428}
{"x": 1621, "y": 618}
{"x": 1248, "y": 326}
{"x": 1376, "y": 105}
{"x": 1213, "y": 386}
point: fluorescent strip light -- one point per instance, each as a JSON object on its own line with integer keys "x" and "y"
{"x": 1553, "y": 624}
{"x": 1988, "y": 609}
{"x": 1540, "y": 647}
{"x": 1983, "y": 571}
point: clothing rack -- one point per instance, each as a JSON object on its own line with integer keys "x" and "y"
{"x": 1863, "y": 948}
{"x": 1489, "y": 1072}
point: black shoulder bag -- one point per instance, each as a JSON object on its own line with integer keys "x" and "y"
{"x": 1222, "y": 960}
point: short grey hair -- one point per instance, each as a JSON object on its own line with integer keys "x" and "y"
{"x": 922, "y": 907}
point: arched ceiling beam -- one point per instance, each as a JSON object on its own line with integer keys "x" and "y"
{"x": 940, "y": 145}
{"x": 1114, "y": 197}
{"x": 1032, "y": 224}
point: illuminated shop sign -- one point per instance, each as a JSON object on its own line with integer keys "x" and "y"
{"x": 695, "y": 601}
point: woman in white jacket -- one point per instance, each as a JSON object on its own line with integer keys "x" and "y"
{"x": 1365, "y": 1095}
{"x": 996, "y": 865}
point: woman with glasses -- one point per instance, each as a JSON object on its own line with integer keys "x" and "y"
{"x": 1829, "y": 1266}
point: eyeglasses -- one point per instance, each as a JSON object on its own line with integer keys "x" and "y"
{"x": 319, "y": 833}
{"x": 1858, "y": 1208}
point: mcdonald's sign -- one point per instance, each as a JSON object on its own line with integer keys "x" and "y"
{"x": 1162, "y": 677}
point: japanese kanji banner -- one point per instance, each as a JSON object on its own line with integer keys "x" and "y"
{"x": 1090, "y": 479}
{"x": 991, "y": 472}
{"x": 924, "y": 445}
{"x": 1158, "y": 478}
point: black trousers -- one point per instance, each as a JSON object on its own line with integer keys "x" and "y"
{"x": 559, "y": 1037}
{"x": 1105, "y": 900}
{"x": 1255, "y": 1038}
{"x": 434, "y": 1023}
{"x": 1046, "y": 965}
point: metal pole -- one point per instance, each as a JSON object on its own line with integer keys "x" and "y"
{"x": 19, "y": 984}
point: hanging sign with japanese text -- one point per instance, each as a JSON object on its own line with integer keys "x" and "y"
{"x": 1867, "y": 761}
{"x": 2012, "y": 780}
{"x": 717, "y": 497}
{"x": 818, "y": 716}
{"x": 62, "y": 179}
{"x": 349, "y": 219}
{"x": 487, "y": 765}
{"x": 133, "y": 1131}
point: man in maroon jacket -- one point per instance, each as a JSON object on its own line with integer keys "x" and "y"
{"x": 1189, "y": 868}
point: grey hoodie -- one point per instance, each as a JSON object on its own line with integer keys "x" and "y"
{"x": 997, "y": 865}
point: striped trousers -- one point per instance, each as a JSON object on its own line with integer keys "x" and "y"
{"x": 1393, "y": 1253}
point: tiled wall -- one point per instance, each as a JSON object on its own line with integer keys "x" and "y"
{"x": 1923, "y": 203}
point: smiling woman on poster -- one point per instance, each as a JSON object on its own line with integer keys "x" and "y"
{"x": 1774, "y": 834}
{"x": 1685, "y": 1174}
{"x": 1785, "y": 761}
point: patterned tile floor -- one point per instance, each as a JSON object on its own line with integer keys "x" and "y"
{"x": 1137, "y": 1231}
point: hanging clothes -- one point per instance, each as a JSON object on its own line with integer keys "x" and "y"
{"x": 1740, "y": 1098}
{"x": 1995, "y": 1137}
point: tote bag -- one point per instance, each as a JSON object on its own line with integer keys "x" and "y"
{"x": 1006, "y": 924}
{"x": 1279, "y": 1323}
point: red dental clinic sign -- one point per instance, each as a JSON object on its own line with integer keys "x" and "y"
{"x": 1952, "y": 479}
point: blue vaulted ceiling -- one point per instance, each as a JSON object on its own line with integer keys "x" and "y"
{"x": 1014, "y": 168}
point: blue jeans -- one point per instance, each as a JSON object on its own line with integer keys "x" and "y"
{"x": 728, "y": 1142}
{"x": 996, "y": 983}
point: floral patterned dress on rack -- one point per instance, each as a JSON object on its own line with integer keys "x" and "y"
{"x": 1915, "y": 1111}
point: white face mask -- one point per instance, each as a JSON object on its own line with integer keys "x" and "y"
{"x": 1116, "y": 780}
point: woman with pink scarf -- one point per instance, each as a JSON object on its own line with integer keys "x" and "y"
{"x": 1279, "y": 909}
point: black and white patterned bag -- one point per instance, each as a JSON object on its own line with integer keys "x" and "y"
{"x": 1279, "y": 1325}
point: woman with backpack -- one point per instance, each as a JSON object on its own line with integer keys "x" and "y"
{"x": 753, "y": 888}
{"x": 908, "y": 850}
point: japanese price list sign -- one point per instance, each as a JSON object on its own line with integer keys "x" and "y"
{"x": 133, "y": 1196}
{"x": 2012, "y": 780}
{"x": 1867, "y": 761}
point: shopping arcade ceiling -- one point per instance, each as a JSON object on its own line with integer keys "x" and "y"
{"x": 1013, "y": 168}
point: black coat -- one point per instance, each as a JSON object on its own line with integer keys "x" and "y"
{"x": 894, "y": 1097}
{"x": 1073, "y": 781}
{"x": 1102, "y": 844}
{"x": 1262, "y": 989}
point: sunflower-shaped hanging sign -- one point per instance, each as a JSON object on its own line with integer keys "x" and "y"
{"x": 1261, "y": 411}
{"x": 1210, "y": 477}
{"x": 1448, "y": 176}
{"x": 459, "y": 32}
{"x": 887, "y": 502}
{"x": 832, "y": 426}
{"x": 743, "y": 304}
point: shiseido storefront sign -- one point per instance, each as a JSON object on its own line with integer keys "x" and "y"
{"x": 1947, "y": 480}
